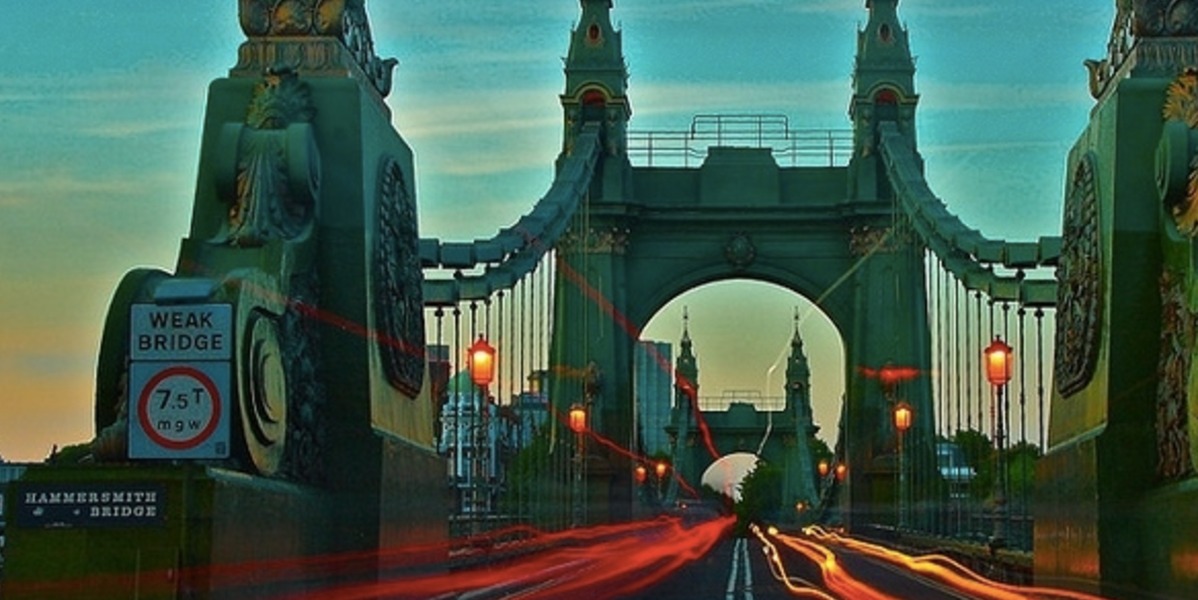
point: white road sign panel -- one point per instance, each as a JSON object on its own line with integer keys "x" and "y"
{"x": 179, "y": 410}
{"x": 187, "y": 332}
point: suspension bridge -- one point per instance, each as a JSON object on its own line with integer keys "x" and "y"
{"x": 347, "y": 362}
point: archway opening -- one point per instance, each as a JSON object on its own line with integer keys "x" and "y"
{"x": 741, "y": 331}
{"x": 726, "y": 474}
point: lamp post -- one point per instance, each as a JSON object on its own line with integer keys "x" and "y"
{"x": 578, "y": 424}
{"x": 902, "y": 422}
{"x": 481, "y": 363}
{"x": 998, "y": 370}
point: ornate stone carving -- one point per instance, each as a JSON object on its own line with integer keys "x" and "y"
{"x": 398, "y": 297}
{"x": 866, "y": 240}
{"x": 1162, "y": 18}
{"x": 740, "y": 252}
{"x": 1176, "y": 162}
{"x": 1079, "y": 295}
{"x": 1173, "y": 372}
{"x": 341, "y": 21}
{"x": 273, "y": 178}
{"x": 306, "y": 395}
{"x": 606, "y": 241}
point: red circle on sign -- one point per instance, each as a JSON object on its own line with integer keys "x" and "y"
{"x": 143, "y": 413}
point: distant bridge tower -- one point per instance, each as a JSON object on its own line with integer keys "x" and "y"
{"x": 883, "y": 90}
{"x": 799, "y": 482}
{"x": 684, "y": 420}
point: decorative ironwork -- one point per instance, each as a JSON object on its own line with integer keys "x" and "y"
{"x": 1079, "y": 295}
{"x": 1173, "y": 372}
{"x": 1174, "y": 153}
{"x": 277, "y": 173}
{"x": 740, "y": 252}
{"x": 288, "y": 22}
{"x": 398, "y": 294}
{"x": 1140, "y": 21}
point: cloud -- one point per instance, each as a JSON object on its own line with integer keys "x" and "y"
{"x": 943, "y": 95}
{"x": 59, "y": 183}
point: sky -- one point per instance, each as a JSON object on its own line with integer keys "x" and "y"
{"x": 101, "y": 107}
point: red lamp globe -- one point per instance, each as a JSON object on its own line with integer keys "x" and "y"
{"x": 903, "y": 416}
{"x": 998, "y": 362}
{"x": 578, "y": 419}
{"x": 482, "y": 362}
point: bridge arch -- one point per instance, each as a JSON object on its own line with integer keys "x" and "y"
{"x": 728, "y": 361}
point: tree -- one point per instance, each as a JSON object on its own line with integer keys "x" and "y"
{"x": 760, "y": 495}
{"x": 978, "y": 451}
{"x": 1021, "y": 470}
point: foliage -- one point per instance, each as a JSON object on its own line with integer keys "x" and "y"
{"x": 1020, "y": 462}
{"x": 1021, "y": 467}
{"x": 819, "y": 450}
{"x": 760, "y": 495}
{"x": 72, "y": 454}
{"x": 527, "y": 475}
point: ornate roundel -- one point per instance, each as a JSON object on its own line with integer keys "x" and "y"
{"x": 1079, "y": 293}
{"x": 398, "y": 295}
{"x": 264, "y": 392}
{"x": 740, "y": 252}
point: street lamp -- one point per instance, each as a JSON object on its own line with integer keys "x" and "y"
{"x": 841, "y": 470}
{"x": 481, "y": 363}
{"x": 641, "y": 474}
{"x": 902, "y": 422}
{"x": 998, "y": 370}
{"x": 823, "y": 468}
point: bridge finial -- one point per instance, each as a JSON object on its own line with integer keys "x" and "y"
{"x": 796, "y": 340}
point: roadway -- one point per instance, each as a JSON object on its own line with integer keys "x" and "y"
{"x": 738, "y": 569}
{"x": 694, "y": 558}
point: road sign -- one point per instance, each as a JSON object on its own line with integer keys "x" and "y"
{"x": 181, "y": 332}
{"x": 179, "y": 410}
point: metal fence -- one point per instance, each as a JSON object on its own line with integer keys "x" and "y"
{"x": 790, "y": 147}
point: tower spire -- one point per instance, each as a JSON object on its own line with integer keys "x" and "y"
{"x": 596, "y": 79}
{"x": 883, "y": 91}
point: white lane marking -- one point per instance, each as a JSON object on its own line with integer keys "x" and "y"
{"x": 744, "y": 550}
{"x": 740, "y": 572}
{"x": 731, "y": 591}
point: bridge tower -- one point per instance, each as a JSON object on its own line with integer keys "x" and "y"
{"x": 799, "y": 483}
{"x": 589, "y": 334}
{"x": 891, "y": 327}
{"x": 684, "y": 420}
